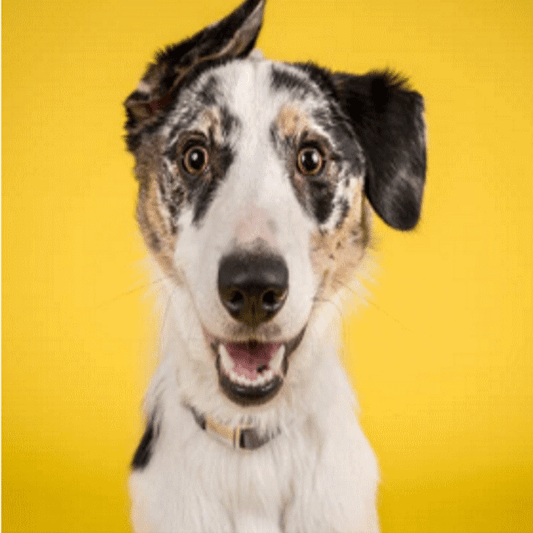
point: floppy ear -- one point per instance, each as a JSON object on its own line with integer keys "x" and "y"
{"x": 232, "y": 37}
{"x": 388, "y": 120}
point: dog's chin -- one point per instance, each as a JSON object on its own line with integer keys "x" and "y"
{"x": 252, "y": 372}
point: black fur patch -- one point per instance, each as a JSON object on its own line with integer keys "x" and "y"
{"x": 144, "y": 451}
{"x": 228, "y": 122}
{"x": 321, "y": 198}
{"x": 202, "y": 191}
{"x": 208, "y": 93}
{"x": 284, "y": 79}
{"x": 208, "y": 41}
{"x": 320, "y": 76}
{"x": 388, "y": 120}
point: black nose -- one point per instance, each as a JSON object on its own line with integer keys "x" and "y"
{"x": 253, "y": 286}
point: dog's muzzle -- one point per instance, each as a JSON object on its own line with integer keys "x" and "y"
{"x": 253, "y": 287}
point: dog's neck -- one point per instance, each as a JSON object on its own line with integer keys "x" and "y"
{"x": 240, "y": 437}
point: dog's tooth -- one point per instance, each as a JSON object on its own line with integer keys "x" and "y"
{"x": 241, "y": 380}
{"x": 278, "y": 358}
{"x": 268, "y": 375}
{"x": 225, "y": 359}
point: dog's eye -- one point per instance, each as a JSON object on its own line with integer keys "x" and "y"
{"x": 195, "y": 160}
{"x": 310, "y": 161}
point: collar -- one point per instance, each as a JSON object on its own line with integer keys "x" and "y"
{"x": 241, "y": 437}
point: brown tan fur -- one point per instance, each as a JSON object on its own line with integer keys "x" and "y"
{"x": 336, "y": 255}
{"x": 152, "y": 216}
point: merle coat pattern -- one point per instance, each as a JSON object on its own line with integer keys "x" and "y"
{"x": 257, "y": 181}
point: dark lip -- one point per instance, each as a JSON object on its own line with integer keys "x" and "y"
{"x": 250, "y": 396}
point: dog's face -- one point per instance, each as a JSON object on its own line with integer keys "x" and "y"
{"x": 254, "y": 185}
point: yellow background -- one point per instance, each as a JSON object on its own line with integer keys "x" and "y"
{"x": 441, "y": 357}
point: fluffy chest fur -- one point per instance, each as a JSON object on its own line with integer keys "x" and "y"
{"x": 256, "y": 184}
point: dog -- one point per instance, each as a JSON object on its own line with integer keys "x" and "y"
{"x": 257, "y": 182}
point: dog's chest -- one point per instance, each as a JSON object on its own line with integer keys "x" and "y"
{"x": 203, "y": 485}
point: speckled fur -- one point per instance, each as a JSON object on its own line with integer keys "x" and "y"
{"x": 253, "y": 117}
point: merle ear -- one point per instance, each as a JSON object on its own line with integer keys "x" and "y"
{"x": 232, "y": 37}
{"x": 388, "y": 120}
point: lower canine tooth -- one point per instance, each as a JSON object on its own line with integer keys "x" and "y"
{"x": 225, "y": 359}
{"x": 278, "y": 358}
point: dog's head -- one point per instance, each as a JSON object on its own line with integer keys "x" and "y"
{"x": 254, "y": 182}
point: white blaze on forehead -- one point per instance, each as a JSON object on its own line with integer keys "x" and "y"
{"x": 258, "y": 186}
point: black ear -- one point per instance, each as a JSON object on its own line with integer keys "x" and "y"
{"x": 388, "y": 120}
{"x": 232, "y": 37}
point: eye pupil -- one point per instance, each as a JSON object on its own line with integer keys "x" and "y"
{"x": 195, "y": 160}
{"x": 310, "y": 161}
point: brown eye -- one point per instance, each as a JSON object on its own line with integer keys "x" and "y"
{"x": 310, "y": 161}
{"x": 195, "y": 160}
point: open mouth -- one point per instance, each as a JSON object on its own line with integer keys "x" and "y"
{"x": 252, "y": 372}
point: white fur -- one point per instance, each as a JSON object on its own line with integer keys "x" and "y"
{"x": 319, "y": 474}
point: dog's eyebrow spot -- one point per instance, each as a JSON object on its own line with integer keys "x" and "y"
{"x": 228, "y": 122}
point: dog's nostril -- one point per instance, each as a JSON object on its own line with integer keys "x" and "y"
{"x": 236, "y": 299}
{"x": 253, "y": 286}
{"x": 271, "y": 299}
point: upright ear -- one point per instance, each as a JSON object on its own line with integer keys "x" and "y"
{"x": 388, "y": 120}
{"x": 232, "y": 37}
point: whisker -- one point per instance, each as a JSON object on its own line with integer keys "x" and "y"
{"x": 131, "y": 291}
{"x": 164, "y": 319}
{"x": 366, "y": 299}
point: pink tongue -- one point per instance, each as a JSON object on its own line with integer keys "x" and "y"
{"x": 249, "y": 356}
